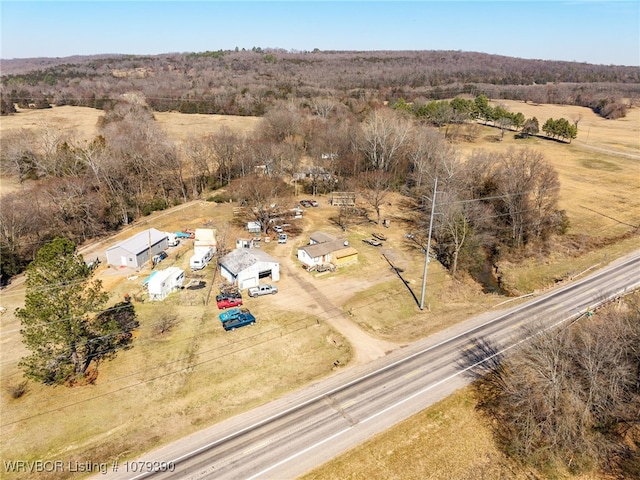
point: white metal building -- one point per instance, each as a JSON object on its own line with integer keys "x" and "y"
{"x": 244, "y": 267}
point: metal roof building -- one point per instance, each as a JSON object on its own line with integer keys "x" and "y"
{"x": 244, "y": 267}
{"x": 137, "y": 250}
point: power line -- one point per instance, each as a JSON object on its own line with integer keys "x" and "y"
{"x": 197, "y": 335}
{"x": 188, "y": 367}
{"x": 611, "y": 218}
{"x": 191, "y": 366}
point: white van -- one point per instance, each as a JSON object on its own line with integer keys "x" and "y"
{"x": 201, "y": 259}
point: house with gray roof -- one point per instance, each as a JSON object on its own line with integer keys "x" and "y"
{"x": 245, "y": 267}
{"x": 320, "y": 237}
{"x": 137, "y": 250}
{"x": 324, "y": 248}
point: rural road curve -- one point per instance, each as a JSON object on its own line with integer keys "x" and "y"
{"x": 289, "y": 436}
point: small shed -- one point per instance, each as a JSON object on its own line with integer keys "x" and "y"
{"x": 244, "y": 243}
{"x": 164, "y": 282}
{"x": 137, "y": 250}
{"x": 244, "y": 267}
{"x": 344, "y": 256}
{"x": 254, "y": 227}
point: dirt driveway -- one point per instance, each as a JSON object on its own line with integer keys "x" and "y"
{"x": 324, "y": 297}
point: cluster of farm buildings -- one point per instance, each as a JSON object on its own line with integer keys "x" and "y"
{"x": 243, "y": 267}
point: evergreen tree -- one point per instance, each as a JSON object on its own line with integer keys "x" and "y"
{"x": 466, "y": 108}
{"x": 401, "y": 104}
{"x": 484, "y": 109}
{"x": 549, "y": 127}
{"x": 61, "y": 323}
{"x": 518, "y": 120}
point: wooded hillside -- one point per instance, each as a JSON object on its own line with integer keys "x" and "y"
{"x": 248, "y": 82}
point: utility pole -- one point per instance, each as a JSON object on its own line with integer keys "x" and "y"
{"x": 426, "y": 256}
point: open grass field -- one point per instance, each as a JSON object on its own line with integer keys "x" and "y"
{"x": 195, "y": 375}
{"x": 449, "y": 440}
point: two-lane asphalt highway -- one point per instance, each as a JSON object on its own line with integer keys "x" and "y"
{"x": 287, "y": 437}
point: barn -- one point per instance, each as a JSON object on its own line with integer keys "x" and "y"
{"x": 244, "y": 267}
{"x": 137, "y": 250}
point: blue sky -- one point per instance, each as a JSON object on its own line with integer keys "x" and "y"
{"x": 601, "y": 32}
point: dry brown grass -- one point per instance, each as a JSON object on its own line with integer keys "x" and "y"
{"x": 621, "y": 135}
{"x": 166, "y": 386}
{"x": 82, "y": 122}
{"x": 183, "y": 382}
{"x": 450, "y": 440}
{"x": 447, "y": 441}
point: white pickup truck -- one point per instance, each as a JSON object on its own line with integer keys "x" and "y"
{"x": 262, "y": 290}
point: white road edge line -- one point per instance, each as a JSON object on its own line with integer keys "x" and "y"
{"x": 275, "y": 465}
{"x": 386, "y": 367}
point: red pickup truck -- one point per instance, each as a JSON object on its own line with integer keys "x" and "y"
{"x": 225, "y": 301}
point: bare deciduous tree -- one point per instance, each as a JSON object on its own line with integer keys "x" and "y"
{"x": 374, "y": 187}
{"x": 569, "y": 395}
{"x": 198, "y": 159}
{"x": 263, "y": 195}
{"x": 523, "y": 189}
{"x": 384, "y": 134}
{"x": 281, "y": 122}
{"x": 322, "y": 106}
{"x": 226, "y": 147}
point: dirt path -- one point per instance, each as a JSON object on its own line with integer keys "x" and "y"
{"x": 607, "y": 150}
{"x": 299, "y": 288}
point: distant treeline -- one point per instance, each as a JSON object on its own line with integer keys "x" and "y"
{"x": 249, "y": 82}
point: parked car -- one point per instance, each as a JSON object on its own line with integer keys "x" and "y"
{"x": 241, "y": 320}
{"x": 172, "y": 239}
{"x": 159, "y": 257}
{"x": 231, "y": 314}
{"x": 278, "y": 229}
{"x": 282, "y": 238}
{"x": 313, "y": 203}
{"x": 227, "y": 301}
{"x": 305, "y": 203}
{"x": 263, "y": 290}
{"x": 185, "y": 234}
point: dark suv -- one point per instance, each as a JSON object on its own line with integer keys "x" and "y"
{"x": 241, "y": 320}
